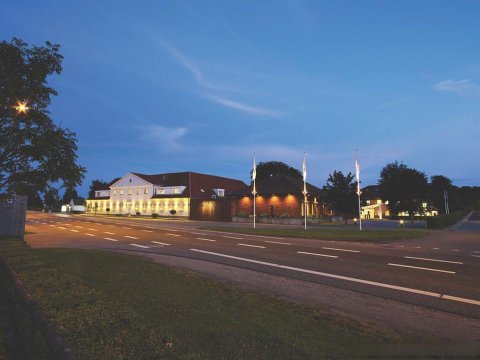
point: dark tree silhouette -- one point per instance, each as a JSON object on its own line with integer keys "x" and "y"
{"x": 404, "y": 188}
{"x": 35, "y": 153}
{"x": 341, "y": 194}
{"x": 95, "y": 186}
{"x": 272, "y": 168}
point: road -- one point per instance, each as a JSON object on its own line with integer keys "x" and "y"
{"x": 440, "y": 273}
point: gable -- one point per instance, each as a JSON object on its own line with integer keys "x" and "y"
{"x": 130, "y": 180}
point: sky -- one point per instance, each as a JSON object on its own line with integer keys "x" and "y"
{"x": 169, "y": 86}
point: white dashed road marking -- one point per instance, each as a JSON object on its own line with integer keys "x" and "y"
{"x": 61, "y": 227}
{"x": 109, "y": 233}
{"x": 72, "y": 230}
{"x": 131, "y": 237}
{"x": 422, "y": 268}
{"x": 436, "y": 260}
{"x": 476, "y": 256}
{"x": 141, "y": 246}
{"x": 232, "y": 237}
{"x": 172, "y": 234}
{"x": 335, "y": 249}
{"x": 194, "y": 233}
{"x": 255, "y": 246}
{"x": 92, "y": 229}
{"x": 160, "y": 243}
{"x": 110, "y": 239}
{"x": 89, "y": 234}
{"x": 316, "y": 254}
{"x": 203, "y": 239}
{"x": 277, "y": 242}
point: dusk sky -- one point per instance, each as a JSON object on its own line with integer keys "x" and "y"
{"x": 167, "y": 86}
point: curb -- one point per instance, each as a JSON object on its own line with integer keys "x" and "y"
{"x": 54, "y": 341}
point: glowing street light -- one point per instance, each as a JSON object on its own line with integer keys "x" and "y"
{"x": 21, "y": 107}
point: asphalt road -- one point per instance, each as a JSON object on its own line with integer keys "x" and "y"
{"x": 440, "y": 272}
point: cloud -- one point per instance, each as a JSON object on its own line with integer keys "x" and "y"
{"x": 457, "y": 86}
{"x": 244, "y": 107}
{"x": 164, "y": 138}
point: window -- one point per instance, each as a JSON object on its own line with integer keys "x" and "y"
{"x": 121, "y": 192}
{"x": 129, "y": 191}
{"x": 145, "y": 191}
{"x": 161, "y": 191}
{"x": 114, "y": 192}
{"x": 176, "y": 191}
{"x": 138, "y": 192}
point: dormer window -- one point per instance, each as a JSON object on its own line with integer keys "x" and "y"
{"x": 219, "y": 192}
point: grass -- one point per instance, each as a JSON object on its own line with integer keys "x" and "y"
{"x": 114, "y": 306}
{"x": 330, "y": 234}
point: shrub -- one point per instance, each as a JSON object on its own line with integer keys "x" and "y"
{"x": 137, "y": 213}
{"x": 263, "y": 215}
{"x": 242, "y": 214}
{"x": 285, "y": 215}
{"x": 173, "y": 211}
{"x": 155, "y": 216}
{"x": 443, "y": 221}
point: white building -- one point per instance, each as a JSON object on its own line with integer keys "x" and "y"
{"x": 172, "y": 194}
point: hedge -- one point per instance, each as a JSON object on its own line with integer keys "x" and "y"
{"x": 443, "y": 221}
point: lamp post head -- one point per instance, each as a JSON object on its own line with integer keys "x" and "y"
{"x": 21, "y": 107}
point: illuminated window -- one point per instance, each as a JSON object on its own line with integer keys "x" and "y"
{"x": 176, "y": 191}
{"x": 138, "y": 192}
{"x": 161, "y": 191}
{"x": 145, "y": 191}
{"x": 121, "y": 192}
{"x": 114, "y": 192}
{"x": 129, "y": 191}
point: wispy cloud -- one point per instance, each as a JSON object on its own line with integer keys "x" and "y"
{"x": 459, "y": 87}
{"x": 245, "y": 108}
{"x": 163, "y": 138}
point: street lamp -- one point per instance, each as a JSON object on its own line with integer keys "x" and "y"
{"x": 21, "y": 107}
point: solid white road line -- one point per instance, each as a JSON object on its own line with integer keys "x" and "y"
{"x": 422, "y": 268}
{"x": 347, "y": 278}
{"x": 72, "y": 230}
{"x": 316, "y": 254}
{"x": 427, "y": 259}
{"x": 276, "y": 242}
{"x": 172, "y": 234}
{"x": 232, "y": 237}
{"x": 255, "y": 246}
{"x": 89, "y": 234}
{"x": 110, "y": 239}
{"x": 160, "y": 243}
{"x": 130, "y": 237}
{"x": 203, "y": 239}
{"x": 335, "y": 249}
{"x": 171, "y": 229}
{"x": 109, "y": 233}
{"x": 194, "y": 233}
{"x": 141, "y": 246}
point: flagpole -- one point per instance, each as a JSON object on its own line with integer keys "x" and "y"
{"x": 304, "y": 172}
{"x": 357, "y": 174}
{"x": 254, "y": 192}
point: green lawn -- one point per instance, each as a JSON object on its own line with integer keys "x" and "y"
{"x": 330, "y": 234}
{"x": 114, "y": 306}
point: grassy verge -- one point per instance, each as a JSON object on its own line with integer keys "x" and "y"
{"x": 330, "y": 234}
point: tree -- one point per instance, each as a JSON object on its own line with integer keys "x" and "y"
{"x": 96, "y": 185}
{"x": 35, "y": 153}
{"x": 438, "y": 186}
{"x": 51, "y": 197}
{"x": 404, "y": 188}
{"x": 341, "y": 193}
{"x": 272, "y": 168}
{"x": 70, "y": 193}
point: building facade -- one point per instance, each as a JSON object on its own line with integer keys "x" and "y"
{"x": 279, "y": 196}
{"x": 183, "y": 194}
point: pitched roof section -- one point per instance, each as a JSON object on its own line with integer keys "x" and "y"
{"x": 279, "y": 184}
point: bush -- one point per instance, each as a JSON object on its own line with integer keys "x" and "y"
{"x": 173, "y": 212}
{"x": 155, "y": 216}
{"x": 285, "y": 216}
{"x": 263, "y": 215}
{"x": 137, "y": 213}
{"x": 443, "y": 221}
{"x": 242, "y": 214}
